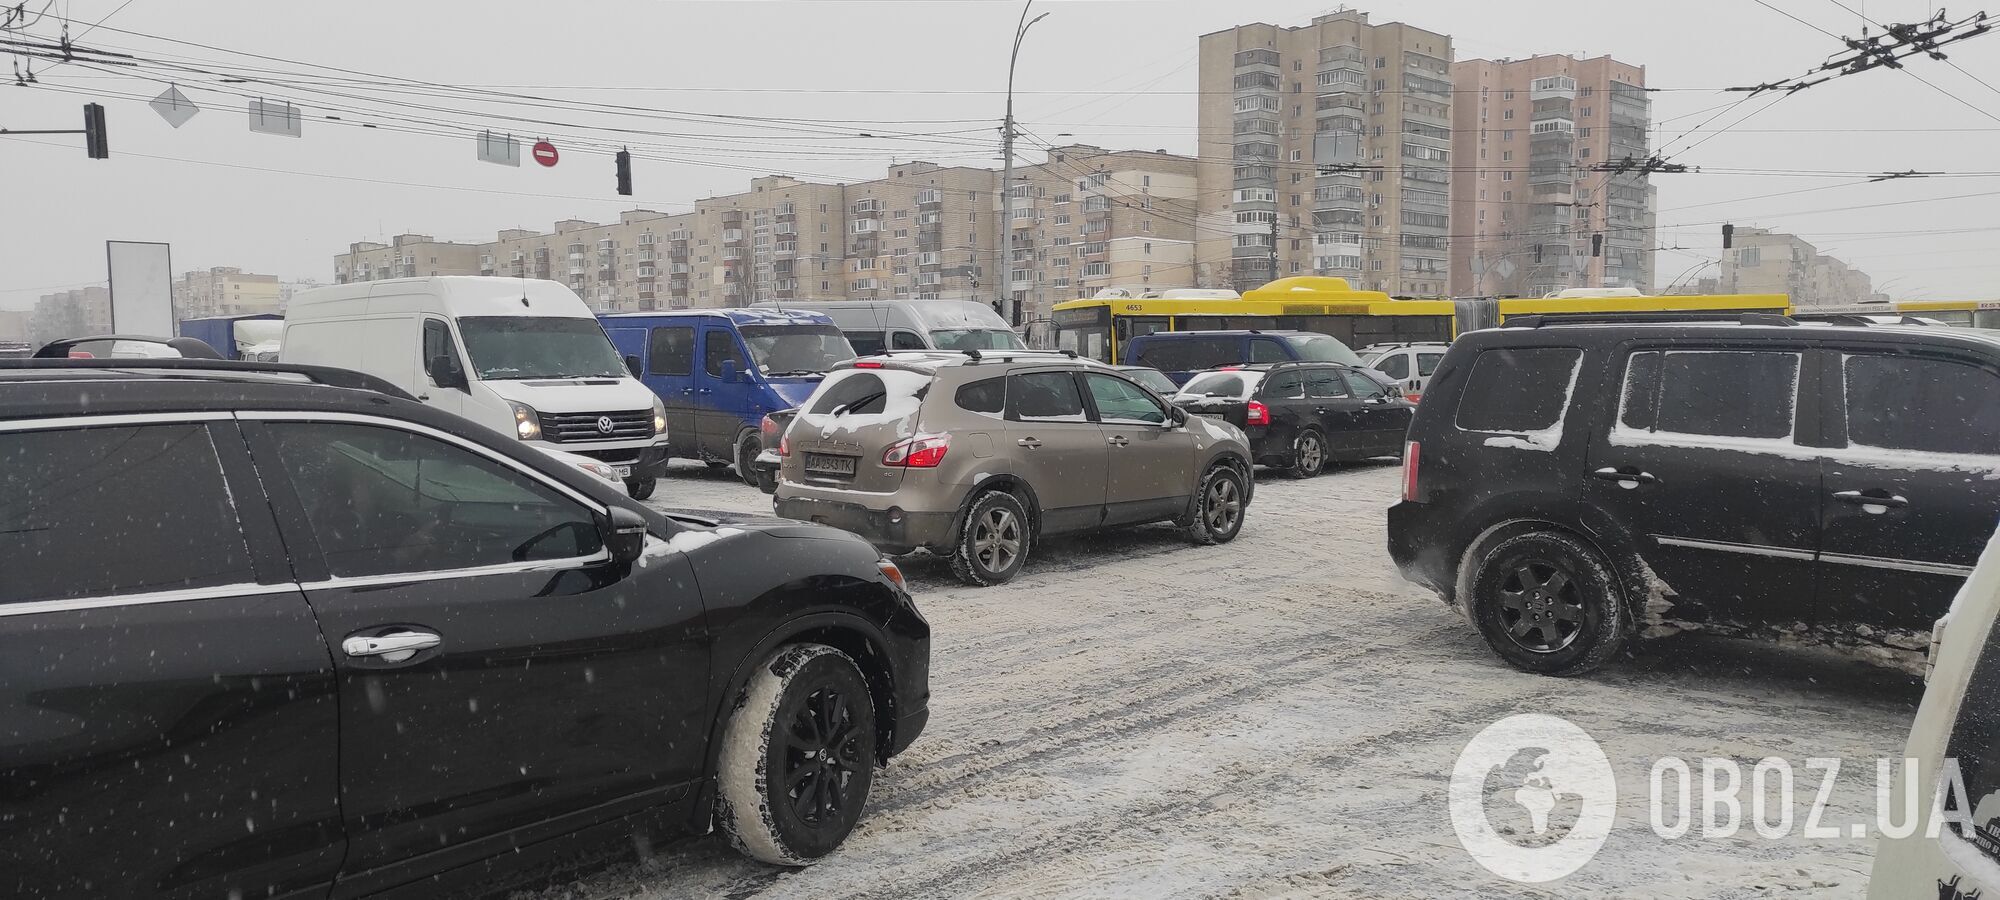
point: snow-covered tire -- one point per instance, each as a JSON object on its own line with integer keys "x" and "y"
{"x": 1538, "y": 625}
{"x": 1308, "y": 454}
{"x": 805, "y": 724}
{"x": 1219, "y": 505}
{"x": 993, "y": 540}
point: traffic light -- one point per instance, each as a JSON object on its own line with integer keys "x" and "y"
{"x": 624, "y": 173}
{"x": 1597, "y": 245}
{"x": 1728, "y": 236}
{"x": 93, "y": 132}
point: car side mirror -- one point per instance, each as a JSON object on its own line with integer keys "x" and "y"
{"x": 730, "y": 373}
{"x": 1178, "y": 416}
{"x": 1377, "y": 401}
{"x": 444, "y": 374}
{"x": 625, "y": 536}
{"x": 632, "y": 366}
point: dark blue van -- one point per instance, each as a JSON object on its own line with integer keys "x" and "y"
{"x": 719, "y": 371}
{"x": 1180, "y": 354}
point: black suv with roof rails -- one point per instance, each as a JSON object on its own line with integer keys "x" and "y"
{"x": 269, "y": 628}
{"x": 1568, "y": 486}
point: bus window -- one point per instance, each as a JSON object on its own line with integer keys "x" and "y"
{"x": 1984, "y": 318}
{"x": 1225, "y": 323}
{"x": 1086, "y": 331}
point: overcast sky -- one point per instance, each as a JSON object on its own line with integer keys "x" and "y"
{"x": 924, "y": 77}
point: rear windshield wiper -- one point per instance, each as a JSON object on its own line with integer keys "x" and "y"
{"x": 864, "y": 401}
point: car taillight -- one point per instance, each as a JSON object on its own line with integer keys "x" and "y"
{"x": 1259, "y": 414}
{"x": 1412, "y": 452}
{"x": 923, "y": 452}
{"x": 785, "y": 445}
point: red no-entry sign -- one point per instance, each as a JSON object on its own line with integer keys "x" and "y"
{"x": 545, "y": 153}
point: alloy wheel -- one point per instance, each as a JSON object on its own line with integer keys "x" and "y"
{"x": 1311, "y": 454}
{"x": 1224, "y": 506}
{"x": 996, "y": 541}
{"x": 822, "y": 757}
{"x": 1540, "y": 608}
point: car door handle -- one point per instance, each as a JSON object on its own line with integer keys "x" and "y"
{"x": 1118, "y": 440}
{"x": 1862, "y": 498}
{"x": 1637, "y": 477}
{"x": 393, "y": 647}
{"x": 1030, "y": 443}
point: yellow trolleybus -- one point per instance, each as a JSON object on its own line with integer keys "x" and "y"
{"x": 1099, "y": 327}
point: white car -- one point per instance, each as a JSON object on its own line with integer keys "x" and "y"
{"x": 1410, "y": 365}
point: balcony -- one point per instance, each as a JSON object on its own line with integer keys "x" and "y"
{"x": 1553, "y": 87}
{"x": 1564, "y": 127}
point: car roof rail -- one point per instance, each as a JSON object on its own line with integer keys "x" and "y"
{"x": 1539, "y": 320}
{"x": 1008, "y": 355}
{"x": 197, "y": 368}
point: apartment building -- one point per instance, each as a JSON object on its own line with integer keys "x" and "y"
{"x": 1534, "y": 205}
{"x": 14, "y": 324}
{"x": 224, "y": 291}
{"x": 405, "y": 256}
{"x": 1763, "y": 261}
{"x": 72, "y": 313}
{"x": 1085, "y": 218}
{"x": 1088, "y": 218}
{"x": 1337, "y": 137}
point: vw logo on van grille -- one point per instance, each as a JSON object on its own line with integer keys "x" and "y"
{"x": 603, "y": 424}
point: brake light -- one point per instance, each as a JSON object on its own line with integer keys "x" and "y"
{"x": 785, "y": 445}
{"x": 1259, "y": 414}
{"x": 922, "y": 452}
{"x": 1416, "y": 397}
{"x": 1412, "y": 453}
{"x": 868, "y": 365}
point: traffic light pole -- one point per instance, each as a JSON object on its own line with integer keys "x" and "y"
{"x": 92, "y": 131}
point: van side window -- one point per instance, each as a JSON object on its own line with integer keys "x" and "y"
{"x": 1265, "y": 350}
{"x": 1913, "y": 403}
{"x": 437, "y": 342}
{"x": 903, "y": 340}
{"x": 1711, "y": 393}
{"x": 867, "y": 343}
{"x": 1428, "y": 363}
{"x": 1518, "y": 390}
{"x": 720, "y": 347}
{"x": 670, "y": 351}
{"x": 987, "y": 395}
{"x": 96, "y": 512}
{"x": 1395, "y": 365}
{"x": 1190, "y": 354}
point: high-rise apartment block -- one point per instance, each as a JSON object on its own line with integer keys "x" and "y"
{"x": 224, "y": 291}
{"x": 72, "y": 313}
{"x": 1085, "y": 219}
{"x": 1338, "y": 134}
{"x": 1539, "y": 203}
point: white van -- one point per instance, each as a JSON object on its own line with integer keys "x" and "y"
{"x": 1958, "y": 720}
{"x": 523, "y": 357}
{"x": 874, "y": 326}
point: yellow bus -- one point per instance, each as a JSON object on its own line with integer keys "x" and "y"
{"x": 1961, "y": 313}
{"x": 1098, "y": 327}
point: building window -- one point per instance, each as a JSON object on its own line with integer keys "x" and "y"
{"x": 1506, "y": 95}
{"x": 1507, "y": 175}
{"x": 1508, "y": 115}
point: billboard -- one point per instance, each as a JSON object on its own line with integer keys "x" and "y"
{"x": 142, "y": 288}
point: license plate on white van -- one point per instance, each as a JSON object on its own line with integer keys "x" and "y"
{"x": 824, "y": 464}
{"x": 623, "y": 471}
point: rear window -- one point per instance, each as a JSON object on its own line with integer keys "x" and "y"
{"x": 1235, "y": 385}
{"x": 869, "y": 392}
{"x": 1322, "y": 348}
{"x": 984, "y": 396}
{"x": 1188, "y": 354}
{"x": 1518, "y": 390}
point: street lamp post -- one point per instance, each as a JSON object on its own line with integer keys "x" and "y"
{"x": 1005, "y": 277}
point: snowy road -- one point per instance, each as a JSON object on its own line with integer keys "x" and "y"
{"x": 1278, "y": 717}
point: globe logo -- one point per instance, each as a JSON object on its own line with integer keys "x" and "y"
{"x": 1532, "y": 798}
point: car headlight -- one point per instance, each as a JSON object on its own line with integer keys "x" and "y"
{"x": 659, "y": 418}
{"x": 527, "y": 425}
{"x": 601, "y": 470}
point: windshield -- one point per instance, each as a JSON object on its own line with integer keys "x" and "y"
{"x": 1154, "y": 379}
{"x": 976, "y": 339}
{"x": 508, "y": 348}
{"x": 1233, "y": 385}
{"x": 1322, "y": 348}
{"x": 791, "y": 350}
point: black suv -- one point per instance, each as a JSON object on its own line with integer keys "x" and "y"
{"x": 268, "y": 628}
{"x": 1300, "y": 416}
{"x": 1570, "y": 485}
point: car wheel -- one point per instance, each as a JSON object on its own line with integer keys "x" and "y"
{"x": 1308, "y": 454}
{"x": 1548, "y": 604}
{"x": 641, "y": 488}
{"x": 1218, "y": 509}
{"x": 747, "y": 448}
{"x": 797, "y": 757}
{"x": 992, "y": 541}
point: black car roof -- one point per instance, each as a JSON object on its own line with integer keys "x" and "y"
{"x": 1236, "y": 332}
{"x": 1557, "y": 332}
